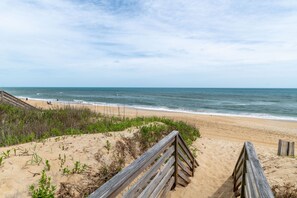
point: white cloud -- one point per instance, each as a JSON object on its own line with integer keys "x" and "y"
{"x": 129, "y": 40}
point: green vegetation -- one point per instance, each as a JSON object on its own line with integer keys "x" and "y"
{"x": 47, "y": 166}
{"x": 77, "y": 169}
{"x": 44, "y": 189}
{"x": 1, "y": 161}
{"x": 21, "y": 126}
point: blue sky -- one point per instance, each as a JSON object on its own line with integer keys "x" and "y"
{"x": 154, "y": 43}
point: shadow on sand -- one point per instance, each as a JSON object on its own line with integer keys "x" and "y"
{"x": 226, "y": 190}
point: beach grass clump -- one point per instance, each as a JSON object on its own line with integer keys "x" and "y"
{"x": 44, "y": 188}
{"x": 20, "y": 125}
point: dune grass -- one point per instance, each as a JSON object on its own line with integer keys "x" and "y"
{"x": 20, "y": 126}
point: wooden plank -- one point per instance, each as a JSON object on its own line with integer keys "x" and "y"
{"x": 183, "y": 176}
{"x": 238, "y": 183}
{"x": 239, "y": 173}
{"x": 239, "y": 159}
{"x": 185, "y": 158}
{"x": 240, "y": 163}
{"x": 135, "y": 190}
{"x": 245, "y": 192}
{"x": 185, "y": 149}
{"x": 153, "y": 184}
{"x": 184, "y": 167}
{"x": 162, "y": 183}
{"x": 183, "y": 142}
{"x": 283, "y": 147}
{"x": 176, "y": 160}
{"x": 181, "y": 182}
{"x": 168, "y": 187}
{"x": 291, "y": 149}
{"x": 15, "y": 101}
{"x": 260, "y": 180}
{"x": 250, "y": 181}
{"x": 121, "y": 180}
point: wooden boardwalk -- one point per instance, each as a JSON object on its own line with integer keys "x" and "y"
{"x": 12, "y": 100}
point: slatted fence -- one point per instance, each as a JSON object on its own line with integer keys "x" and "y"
{"x": 249, "y": 178}
{"x": 167, "y": 164}
{"x": 10, "y": 99}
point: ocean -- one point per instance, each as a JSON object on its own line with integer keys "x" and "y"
{"x": 261, "y": 103}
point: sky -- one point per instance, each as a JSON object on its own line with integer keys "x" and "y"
{"x": 148, "y": 43}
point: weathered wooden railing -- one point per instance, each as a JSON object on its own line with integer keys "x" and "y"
{"x": 249, "y": 179}
{"x": 155, "y": 173}
{"x": 10, "y": 99}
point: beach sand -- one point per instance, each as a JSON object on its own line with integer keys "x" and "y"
{"x": 221, "y": 141}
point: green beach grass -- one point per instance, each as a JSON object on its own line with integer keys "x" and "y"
{"x": 20, "y": 126}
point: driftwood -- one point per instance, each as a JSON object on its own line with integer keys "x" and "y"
{"x": 164, "y": 166}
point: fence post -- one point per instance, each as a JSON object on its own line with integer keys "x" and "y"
{"x": 176, "y": 162}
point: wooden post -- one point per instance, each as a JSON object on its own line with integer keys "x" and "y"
{"x": 282, "y": 148}
{"x": 291, "y": 151}
{"x": 175, "y": 163}
{"x": 285, "y": 148}
{"x": 1, "y": 96}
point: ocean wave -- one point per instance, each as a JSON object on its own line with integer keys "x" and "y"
{"x": 178, "y": 110}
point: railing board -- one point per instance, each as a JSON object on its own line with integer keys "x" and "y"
{"x": 153, "y": 184}
{"x": 184, "y": 167}
{"x": 251, "y": 180}
{"x": 238, "y": 160}
{"x": 181, "y": 140}
{"x": 144, "y": 180}
{"x": 183, "y": 176}
{"x": 261, "y": 181}
{"x": 162, "y": 183}
{"x": 167, "y": 187}
{"x": 123, "y": 178}
{"x": 182, "y": 155}
{"x": 181, "y": 182}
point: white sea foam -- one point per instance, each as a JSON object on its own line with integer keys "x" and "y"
{"x": 165, "y": 109}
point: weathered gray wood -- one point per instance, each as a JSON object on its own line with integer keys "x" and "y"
{"x": 181, "y": 182}
{"x": 184, "y": 157}
{"x": 260, "y": 180}
{"x": 238, "y": 160}
{"x": 162, "y": 183}
{"x": 116, "y": 184}
{"x": 185, "y": 147}
{"x": 291, "y": 151}
{"x": 184, "y": 167}
{"x": 168, "y": 187}
{"x": 10, "y": 99}
{"x": 250, "y": 181}
{"x": 176, "y": 162}
{"x": 135, "y": 190}
{"x": 153, "y": 184}
{"x": 283, "y": 147}
{"x": 237, "y": 183}
{"x": 183, "y": 176}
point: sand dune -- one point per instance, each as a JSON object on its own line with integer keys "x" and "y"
{"x": 218, "y": 150}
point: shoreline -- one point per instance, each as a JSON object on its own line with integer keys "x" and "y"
{"x": 160, "y": 109}
{"x": 238, "y": 129}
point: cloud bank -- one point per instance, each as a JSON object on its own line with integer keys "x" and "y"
{"x": 163, "y": 43}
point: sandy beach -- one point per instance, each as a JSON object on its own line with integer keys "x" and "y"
{"x": 218, "y": 149}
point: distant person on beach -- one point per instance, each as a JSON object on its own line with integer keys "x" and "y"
{"x": 26, "y": 99}
{"x": 49, "y": 102}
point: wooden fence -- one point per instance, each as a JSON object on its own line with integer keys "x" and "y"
{"x": 10, "y": 99}
{"x": 249, "y": 179}
{"x": 155, "y": 173}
